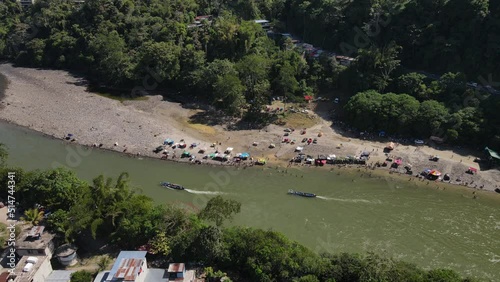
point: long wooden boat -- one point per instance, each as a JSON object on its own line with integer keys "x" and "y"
{"x": 172, "y": 185}
{"x": 302, "y": 194}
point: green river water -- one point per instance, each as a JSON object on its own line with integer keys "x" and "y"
{"x": 353, "y": 213}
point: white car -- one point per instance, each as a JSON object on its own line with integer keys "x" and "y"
{"x": 419, "y": 142}
{"x": 309, "y": 160}
{"x": 336, "y": 101}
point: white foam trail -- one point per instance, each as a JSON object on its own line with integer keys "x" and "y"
{"x": 204, "y": 192}
{"x": 349, "y": 200}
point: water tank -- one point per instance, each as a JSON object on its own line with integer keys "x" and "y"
{"x": 66, "y": 254}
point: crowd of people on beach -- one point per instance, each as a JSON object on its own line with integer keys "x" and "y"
{"x": 249, "y": 162}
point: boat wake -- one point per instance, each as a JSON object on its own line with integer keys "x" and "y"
{"x": 204, "y": 192}
{"x": 349, "y": 200}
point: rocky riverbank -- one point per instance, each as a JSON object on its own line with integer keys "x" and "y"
{"x": 57, "y": 103}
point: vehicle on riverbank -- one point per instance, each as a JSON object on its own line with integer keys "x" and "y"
{"x": 261, "y": 161}
{"x": 302, "y": 194}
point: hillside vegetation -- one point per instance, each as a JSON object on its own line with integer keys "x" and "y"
{"x": 230, "y": 62}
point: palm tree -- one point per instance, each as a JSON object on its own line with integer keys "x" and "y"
{"x": 33, "y": 215}
{"x": 107, "y": 199}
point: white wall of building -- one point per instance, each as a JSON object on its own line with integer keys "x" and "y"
{"x": 43, "y": 272}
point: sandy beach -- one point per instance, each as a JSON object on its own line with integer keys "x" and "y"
{"x": 57, "y": 103}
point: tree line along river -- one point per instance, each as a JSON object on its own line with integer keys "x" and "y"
{"x": 353, "y": 212}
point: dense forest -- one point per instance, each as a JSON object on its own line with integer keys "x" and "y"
{"x": 230, "y": 62}
{"x": 109, "y": 211}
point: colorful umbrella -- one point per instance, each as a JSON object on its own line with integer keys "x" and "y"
{"x": 435, "y": 173}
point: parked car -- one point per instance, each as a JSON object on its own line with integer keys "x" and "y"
{"x": 336, "y": 101}
{"x": 159, "y": 149}
{"x": 309, "y": 160}
{"x": 434, "y": 158}
{"x": 419, "y": 142}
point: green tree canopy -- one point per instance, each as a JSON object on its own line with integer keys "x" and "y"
{"x": 81, "y": 276}
{"x": 161, "y": 60}
{"x": 54, "y": 189}
{"x": 229, "y": 94}
{"x": 219, "y": 209}
{"x": 412, "y": 84}
{"x": 432, "y": 118}
{"x": 112, "y": 64}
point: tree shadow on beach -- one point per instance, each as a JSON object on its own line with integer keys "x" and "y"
{"x": 79, "y": 81}
{"x": 246, "y": 125}
{"x": 215, "y": 117}
{"x": 210, "y": 118}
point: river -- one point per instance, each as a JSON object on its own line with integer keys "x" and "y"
{"x": 404, "y": 219}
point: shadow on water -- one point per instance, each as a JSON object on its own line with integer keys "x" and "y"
{"x": 3, "y": 85}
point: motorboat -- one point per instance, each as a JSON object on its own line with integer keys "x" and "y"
{"x": 302, "y": 194}
{"x": 172, "y": 185}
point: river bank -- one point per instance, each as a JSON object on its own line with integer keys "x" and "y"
{"x": 357, "y": 210}
{"x": 58, "y": 103}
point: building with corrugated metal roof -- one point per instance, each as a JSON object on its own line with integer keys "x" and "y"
{"x": 131, "y": 266}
